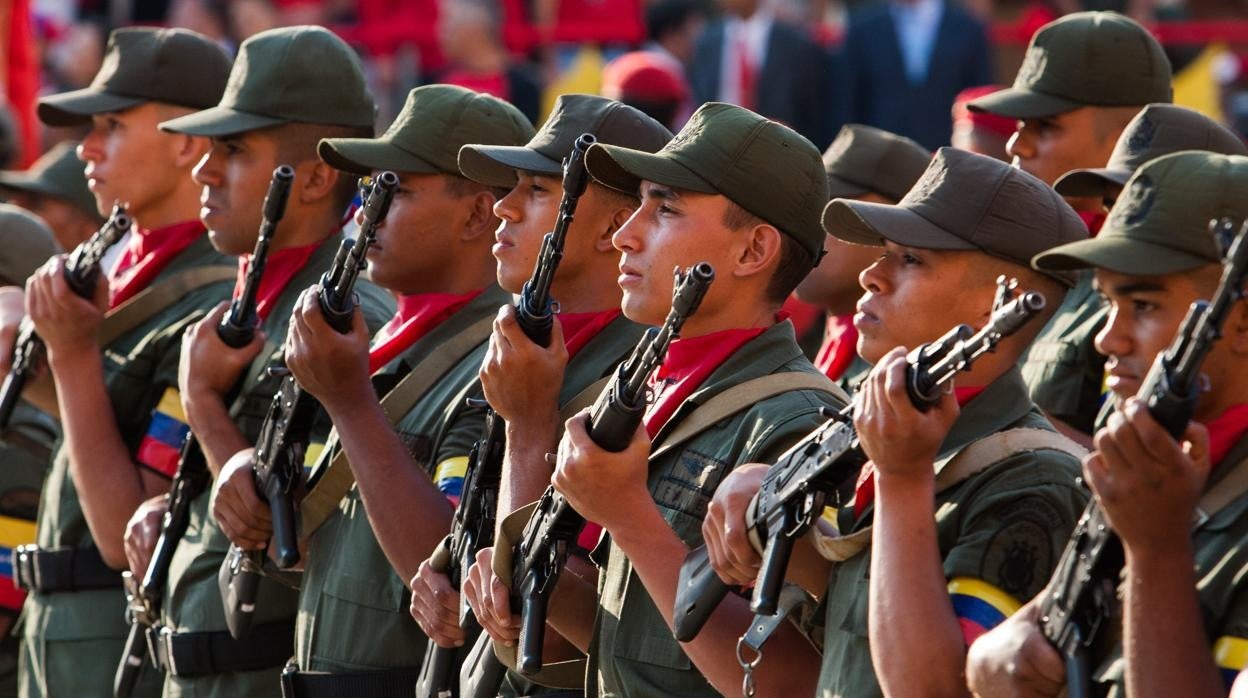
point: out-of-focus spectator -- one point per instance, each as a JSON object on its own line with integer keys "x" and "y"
{"x": 751, "y": 59}
{"x": 906, "y": 60}
{"x": 604, "y": 22}
{"x": 470, "y": 35}
{"x": 980, "y": 132}
{"x": 250, "y": 17}
{"x": 1231, "y": 73}
{"x": 208, "y": 17}
{"x": 672, "y": 29}
{"x": 75, "y": 56}
{"x": 55, "y": 189}
{"x": 649, "y": 82}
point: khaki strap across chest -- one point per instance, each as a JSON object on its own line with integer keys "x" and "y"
{"x": 155, "y": 298}
{"x": 333, "y": 484}
{"x": 973, "y": 459}
{"x": 1225, "y": 491}
{"x": 741, "y": 397}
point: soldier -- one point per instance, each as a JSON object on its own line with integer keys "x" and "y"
{"x": 737, "y": 191}
{"x": 864, "y": 164}
{"x": 1154, "y": 258}
{"x": 1083, "y": 78}
{"x": 274, "y": 112}
{"x": 983, "y": 536}
{"x": 531, "y": 387}
{"x": 431, "y": 251}
{"x": 27, "y": 443}
{"x": 55, "y": 189}
{"x": 119, "y": 409}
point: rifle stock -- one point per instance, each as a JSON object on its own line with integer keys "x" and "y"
{"x": 795, "y": 489}
{"x": 1082, "y": 598}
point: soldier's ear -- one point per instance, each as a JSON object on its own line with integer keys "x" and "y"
{"x": 619, "y": 217}
{"x": 188, "y": 150}
{"x": 761, "y": 251}
{"x": 316, "y": 181}
{"x": 1236, "y": 331}
{"x": 481, "y": 221}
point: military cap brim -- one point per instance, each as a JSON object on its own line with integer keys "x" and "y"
{"x": 1119, "y": 254}
{"x": 219, "y": 121}
{"x": 77, "y": 107}
{"x": 623, "y": 169}
{"x": 1018, "y": 103}
{"x": 364, "y": 155}
{"x": 864, "y": 223}
{"x": 840, "y": 188}
{"x": 1090, "y": 182}
{"x": 496, "y": 165}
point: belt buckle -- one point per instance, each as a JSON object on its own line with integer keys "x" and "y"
{"x": 23, "y": 566}
{"x": 288, "y": 679}
{"x": 165, "y": 638}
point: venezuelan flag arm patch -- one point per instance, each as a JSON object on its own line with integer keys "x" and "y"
{"x": 449, "y": 477}
{"x": 1231, "y": 655}
{"x": 13, "y": 532}
{"x": 166, "y": 431}
{"x": 980, "y": 606}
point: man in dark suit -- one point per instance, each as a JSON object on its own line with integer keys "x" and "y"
{"x": 749, "y": 58}
{"x": 904, "y": 61}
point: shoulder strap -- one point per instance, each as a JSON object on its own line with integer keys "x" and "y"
{"x": 583, "y": 399}
{"x": 332, "y": 485}
{"x": 973, "y": 459}
{"x": 742, "y": 396}
{"x": 155, "y": 298}
{"x": 1230, "y": 488}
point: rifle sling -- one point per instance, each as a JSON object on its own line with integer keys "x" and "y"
{"x": 155, "y": 298}
{"x": 1229, "y": 488}
{"x": 571, "y": 673}
{"x": 333, "y": 484}
{"x": 973, "y": 459}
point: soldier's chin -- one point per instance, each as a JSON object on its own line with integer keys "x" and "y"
{"x": 634, "y": 307}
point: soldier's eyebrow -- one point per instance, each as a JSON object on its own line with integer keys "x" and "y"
{"x": 1143, "y": 286}
{"x": 658, "y": 191}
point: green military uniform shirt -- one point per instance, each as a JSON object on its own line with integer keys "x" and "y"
{"x": 1006, "y": 525}
{"x": 348, "y": 583}
{"x": 72, "y": 641}
{"x": 1221, "y": 586}
{"x": 633, "y": 652}
{"x": 1062, "y": 369}
{"x": 192, "y": 597}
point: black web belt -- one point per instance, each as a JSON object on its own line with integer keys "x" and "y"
{"x": 207, "y": 653}
{"x": 47, "y": 570}
{"x": 386, "y": 683}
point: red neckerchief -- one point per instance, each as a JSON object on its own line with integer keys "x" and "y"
{"x": 1095, "y": 220}
{"x": 147, "y": 253}
{"x": 803, "y": 315}
{"x": 840, "y": 346}
{"x": 279, "y": 268}
{"x": 688, "y": 363}
{"x": 579, "y": 328}
{"x": 865, "y": 492}
{"x": 1225, "y": 431}
{"x": 416, "y": 316}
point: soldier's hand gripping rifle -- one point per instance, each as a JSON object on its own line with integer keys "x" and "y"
{"x": 287, "y": 427}
{"x": 236, "y": 330}
{"x": 795, "y": 489}
{"x": 542, "y": 550}
{"x": 82, "y": 271}
{"x": 1082, "y": 598}
{"x": 472, "y": 529}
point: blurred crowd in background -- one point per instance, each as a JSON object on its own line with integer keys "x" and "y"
{"x": 901, "y": 65}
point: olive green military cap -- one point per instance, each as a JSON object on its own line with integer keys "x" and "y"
{"x": 574, "y": 114}
{"x": 300, "y": 74}
{"x": 436, "y": 121}
{"x": 59, "y": 174}
{"x": 966, "y": 201}
{"x": 762, "y": 166}
{"x": 1159, "y": 129}
{"x": 171, "y": 66}
{"x": 1160, "y": 224}
{"x": 25, "y": 244}
{"x": 866, "y": 160}
{"x": 1084, "y": 59}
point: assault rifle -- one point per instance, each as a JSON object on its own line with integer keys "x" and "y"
{"x": 237, "y": 329}
{"x": 542, "y": 551}
{"x": 472, "y": 529}
{"x": 287, "y": 428}
{"x": 796, "y": 488}
{"x": 82, "y": 270}
{"x": 1082, "y": 600}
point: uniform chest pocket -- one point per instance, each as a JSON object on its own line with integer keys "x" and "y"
{"x": 683, "y": 490}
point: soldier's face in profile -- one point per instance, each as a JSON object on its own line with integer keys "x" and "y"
{"x": 527, "y": 213}
{"x": 1145, "y": 312}
{"x": 675, "y": 228}
{"x": 418, "y": 233}
{"x": 913, "y": 296}
{"x": 129, "y": 160}
{"x": 235, "y": 176}
{"x": 1050, "y": 147}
